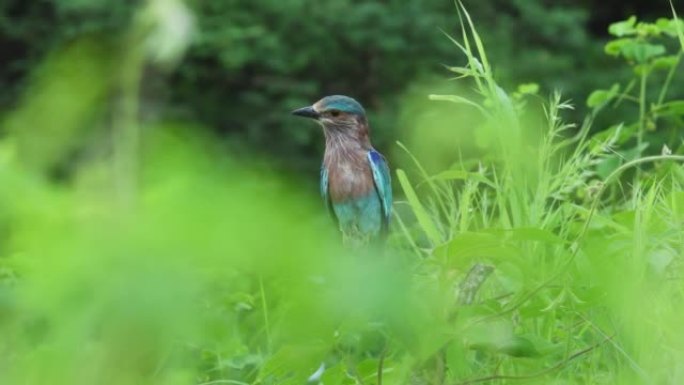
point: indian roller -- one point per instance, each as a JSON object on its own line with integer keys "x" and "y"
{"x": 355, "y": 180}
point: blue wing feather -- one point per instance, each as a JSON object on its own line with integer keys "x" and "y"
{"x": 324, "y": 184}
{"x": 324, "y": 192}
{"x": 383, "y": 184}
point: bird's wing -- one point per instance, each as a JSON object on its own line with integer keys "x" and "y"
{"x": 324, "y": 192}
{"x": 383, "y": 183}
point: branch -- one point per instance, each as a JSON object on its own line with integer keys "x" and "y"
{"x": 472, "y": 282}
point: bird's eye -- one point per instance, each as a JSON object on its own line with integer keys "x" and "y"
{"x": 335, "y": 113}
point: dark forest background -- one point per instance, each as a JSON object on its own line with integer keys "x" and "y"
{"x": 250, "y": 62}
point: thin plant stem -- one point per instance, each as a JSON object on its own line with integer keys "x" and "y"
{"x": 642, "y": 124}
{"x": 264, "y": 305}
{"x": 668, "y": 79}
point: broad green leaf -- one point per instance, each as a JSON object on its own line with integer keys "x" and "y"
{"x": 671, "y": 108}
{"x": 619, "y": 133}
{"x": 670, "y": 27}
{"x": 367, "y": 370}
{"x": 648, "y": 29}
{"x": 614, "y": 47}
{"x": 633, "y": 50}
{"x": 601, "y": 97}
{"x": 642, "y": 52}
{"x": 665, "y": 62}
{"x": 633, "y": 152}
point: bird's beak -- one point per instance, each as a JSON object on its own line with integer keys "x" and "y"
{"x": 307, "y": 112}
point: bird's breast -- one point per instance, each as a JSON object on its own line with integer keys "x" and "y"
{"x": 349, "y": 178}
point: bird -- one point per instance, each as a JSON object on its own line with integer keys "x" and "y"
{"x": 355, "y": 181}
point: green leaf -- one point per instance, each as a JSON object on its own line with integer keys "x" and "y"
{"x": 601, "y": 97}
{"x": 633, "y": 153}
{"x": 634, "y": 50}
{"x": 422, "y": 215}
{"x": 614, "y": 47}
{"x": 618, "y": 133}
{"x": 528, "y": 88}
{"x": 669, "y": 27}
{"x": 665, "y": 62}
{"x": 623, "y": 28}
{"x": 648, "y": 29}
{"x": 675, "y": 108}
{"x": 642, "y": 52}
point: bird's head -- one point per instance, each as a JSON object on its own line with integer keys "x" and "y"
{"x": 337, "y": 114}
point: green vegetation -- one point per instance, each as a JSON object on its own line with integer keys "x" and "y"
{"x": 136, "y": 248}
{"x": 249, "y": 61}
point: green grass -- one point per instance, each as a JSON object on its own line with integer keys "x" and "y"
{"x": 193, "y": 268}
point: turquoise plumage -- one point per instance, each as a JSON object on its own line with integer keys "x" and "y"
{"x": 355, "y": 179}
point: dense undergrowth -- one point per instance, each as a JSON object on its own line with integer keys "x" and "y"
{"x": 152, "y": 257}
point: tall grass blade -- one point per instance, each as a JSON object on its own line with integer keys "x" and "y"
{"x": 422, "y": 215}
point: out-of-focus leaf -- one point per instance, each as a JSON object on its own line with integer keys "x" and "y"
{"x": 601, "y": 97}
{"x": 623, "y": 28}
{"x": 528, "y": 89}
{"x": 673, "y": 108}
{"x": 642, "y": 52}
{"x": 634, "y": 50}
{"x": 665, "y": 63}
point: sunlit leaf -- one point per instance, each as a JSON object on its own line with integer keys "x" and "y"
{"x": 601, "y": 97}
{"x": 528, "y": 88}
{"x": 623, "y": 28}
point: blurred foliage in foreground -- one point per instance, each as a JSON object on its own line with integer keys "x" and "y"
{"x": 138, "y": 250}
